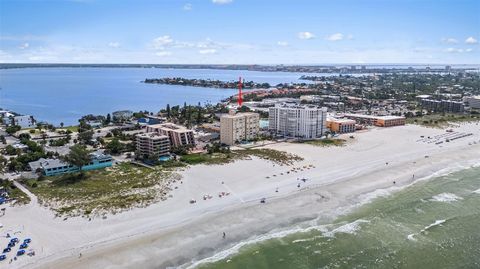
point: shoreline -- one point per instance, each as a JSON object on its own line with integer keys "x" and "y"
{"x": 172, "y": 234}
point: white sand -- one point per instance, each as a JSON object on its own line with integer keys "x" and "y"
{"x": 175, "y": 232}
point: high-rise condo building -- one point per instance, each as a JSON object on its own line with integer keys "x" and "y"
{"x": 300, "y": 121}
{"x": 238, "y": 127}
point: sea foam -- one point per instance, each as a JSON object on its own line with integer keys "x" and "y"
{"x": 349, "y": 228}
{"x": 477, "y": 191}
{"x": 436, "y": 223}
{"x": 445, "y": 197}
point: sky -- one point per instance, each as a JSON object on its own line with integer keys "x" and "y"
{"x": 240, "y": 31}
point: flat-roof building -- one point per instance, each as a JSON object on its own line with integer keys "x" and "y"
{"x": 299, "y": 121}
{"x": 152, "y": 144}
{"x": 381, "y": 121}
{"x": 473, "y": 101}
{"x": 442, "y": 105}
{"x": 341, "y": 125}
{"x": 54, "y": 167}
{"x": 238, "y": 127}
{"x": 178, "y": 135}
{"x": 22, "y": 121}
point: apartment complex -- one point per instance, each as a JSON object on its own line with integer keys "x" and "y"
{"x": 442, "y": 105}
{"x": 22, "y": 121}
{"x": 238, "y": 127}
{"x": 381, "y": 121}
{"x": 54, "y": 167}
{"x": 473, "y": 101}
{"x": 300, "y": 121}
{"x": 152, "y": 144}
{"x": 341, "y": 126}
{"x": 178, "y": 135}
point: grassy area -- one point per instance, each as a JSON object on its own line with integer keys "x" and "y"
{"x": 328, "y": 142}
{"x": 110, "y": 190}
{"x": 71, "y": 128}
{"x": 442, "y": 121}
{"x": 276, "y": 156}
{"x": 200, "y": 158}
{"x": 19, "y": 197}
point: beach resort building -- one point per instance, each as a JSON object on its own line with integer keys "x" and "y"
{"x": 238, "y": 127}
{"x": 54, "y": 167}
{"x": 152, "y": 144}
{"x": 341, "y": 126}
{"x": 381, "y": 121}
{"x": 299, "y": 121}
{"x": 178, "y": 135}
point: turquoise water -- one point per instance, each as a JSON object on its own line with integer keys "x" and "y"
{"x": 65, "y": 94}
{"x": 432, "y": 224}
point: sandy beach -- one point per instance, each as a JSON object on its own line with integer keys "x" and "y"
{"x": 175, "y": 233}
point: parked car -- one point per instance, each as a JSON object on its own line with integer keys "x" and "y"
{"x": 2, "y": 257}
{"x": 20, "y": 252}
{"x": 5, "y": 250}
{"x": 24, "y": 245}
{"x": 28, "y": 241}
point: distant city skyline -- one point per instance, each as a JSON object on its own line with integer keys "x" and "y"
{"x": 240, "y": 32}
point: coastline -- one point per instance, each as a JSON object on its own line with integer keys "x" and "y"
{"x": 174, "y": 239}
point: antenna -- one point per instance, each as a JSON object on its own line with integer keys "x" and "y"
{"x": 240, "y": 101}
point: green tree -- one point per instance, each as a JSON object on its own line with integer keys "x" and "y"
{"x": 85, "y": 137}
{"x": 61, "y": 124}
{"x": 79, "y": 156}
{"x": 168, "y": 111}
{"x": 12, "y": 129}
{"x": 114, "y": 147}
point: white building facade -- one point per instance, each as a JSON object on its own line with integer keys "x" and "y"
{"x": 297, "y": 121}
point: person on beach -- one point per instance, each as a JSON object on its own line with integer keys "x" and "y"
{"x": 224, "y": 235}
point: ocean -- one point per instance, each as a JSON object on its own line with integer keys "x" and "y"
{"x": 430, "y": 224}
{"x": 66, "y": 94}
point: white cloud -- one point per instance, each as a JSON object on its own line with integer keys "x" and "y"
{"x": 454, "y": 50}
{"x": 471, "y": 40}
{"x": 335, "y": 37}
{"x": 305, "y": 35}
{"x": 24, "y": 46}
{"x": 162, "y": 41}
{"x": 282, "y": 43}
{"x": 187, "y": 7}
{"x": 350, "y": 36}
{"x": 469, "y": 50}
{"x": 114, "y": 44}
{"x": 207, "y": 51}
{"x": 222, "y": 2}
{"x": 163, "y": 53}
{"x": 450, "y": 40}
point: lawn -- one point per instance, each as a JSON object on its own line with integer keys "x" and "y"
{"x": 97, "y": 192}
{"x": 442, "y": 121}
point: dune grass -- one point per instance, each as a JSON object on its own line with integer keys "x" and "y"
{"x": 109, "y": 190}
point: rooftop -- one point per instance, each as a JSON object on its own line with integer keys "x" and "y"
{"x": 170, "y": 126}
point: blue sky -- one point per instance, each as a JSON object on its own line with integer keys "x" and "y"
{"x": 240, "y": 31}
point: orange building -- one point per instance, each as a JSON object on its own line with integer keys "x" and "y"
{"x": 341, "y": 126}
{"x": 381, "y": 121}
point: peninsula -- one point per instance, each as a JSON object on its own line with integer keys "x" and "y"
{"x": 207, "y": 83}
